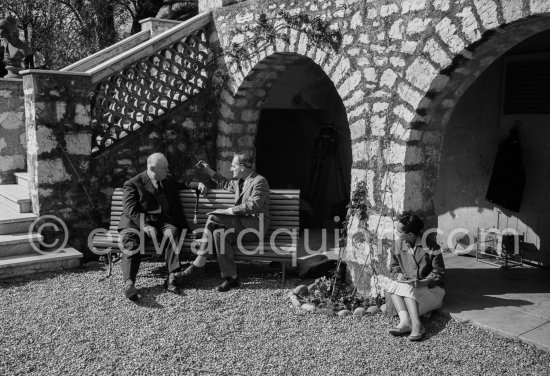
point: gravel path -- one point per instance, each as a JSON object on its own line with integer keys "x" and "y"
{"x": 69, "y": 323}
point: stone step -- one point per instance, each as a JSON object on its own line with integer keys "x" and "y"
{"x": 12, "y": 222}
{"x": 22, "y": 179}
{"x": 13, "y": 266}
{"x": 19, "y": 244}
{"x": 15, "y": 197}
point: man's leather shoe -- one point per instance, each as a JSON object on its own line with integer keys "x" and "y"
{"x": 189, "y": 271}
{"x": 171, "y": 286}
{"x": 131, "y": 292}
{"x": 228, "y": 284}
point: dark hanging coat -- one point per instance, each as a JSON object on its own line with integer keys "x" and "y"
{"x": 508, "y": 176}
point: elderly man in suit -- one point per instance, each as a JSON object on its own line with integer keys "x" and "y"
{"x": 151, "y": 206}
{"x": 251, "y": 208}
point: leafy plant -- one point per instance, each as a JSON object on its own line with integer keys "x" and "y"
{"x": 266, "y": 31}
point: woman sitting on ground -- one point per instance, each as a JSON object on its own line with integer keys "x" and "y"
{"x": 418, "y": 269}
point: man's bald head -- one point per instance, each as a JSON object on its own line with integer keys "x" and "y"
{"x": 157, "y": 165}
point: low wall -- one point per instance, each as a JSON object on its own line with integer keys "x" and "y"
{"x": 12, "y": 129}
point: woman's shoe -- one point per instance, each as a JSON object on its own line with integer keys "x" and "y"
{"x": 396, "y": 332}
{"x": 417, "y": 337}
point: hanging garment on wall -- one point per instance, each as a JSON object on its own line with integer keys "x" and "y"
{"x": 508, "y": 176}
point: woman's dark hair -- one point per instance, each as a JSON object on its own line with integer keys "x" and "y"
{"x": 411, "y": 223}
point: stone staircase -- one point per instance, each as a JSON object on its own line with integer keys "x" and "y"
{"x": 17, "y": 255}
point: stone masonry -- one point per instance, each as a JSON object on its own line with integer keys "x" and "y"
{"x": 401, "y": 69}
{"x": 12, "y": 129}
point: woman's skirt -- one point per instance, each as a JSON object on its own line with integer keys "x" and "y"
{"x": 428, "y": 298}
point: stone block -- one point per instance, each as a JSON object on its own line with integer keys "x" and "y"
{"x": 370, "y": 74}
{"x": 11, "y": 120}
{"x": 355, "y": 98}
{"x": 370, "y": 187}
{"x": 388, "y": 78}
{"x": 51, "y": 171}
{"x": 447, "y": 31}
{"x": 12, "y": 162}
{"x": 511, "y": 10}
{"x": 389, "y": 9}
{"x": 356, "y": 20}
{"x": 358, "y": 111}
{"x": 409, "y": 47}
{"x": 384, "y": 224}
{"x": 436, "y": 53}
{"x": 403, "y": 113}
{"x": 250, "y": 115}
{"x": 395, "y": 153}
{"x": 351, "y": 83}
{"x": 358, "y": 129}
{"x": 487, "y": 11}
{"x": 409, "y": 94}
{"x": 418, "y": 25}
{"x": 79, "y": 143}
{"x": 420, "y": 73}
{"x": 441, "y": 5}
{"x": 396, "y": 30}
{"x": 378, "y": 125}
{"x": 539, "y": 6}
{"x": 82, "y": 114}
{"x": 412, "y": 6}
{"x": 341, "y": 69}
{"x": 359, "y": 151}
{"x": 470, "y": 27}
{"x": 380, "y": 107}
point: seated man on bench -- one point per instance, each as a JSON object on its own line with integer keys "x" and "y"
{"x": 250, "y": 212}
{"x": 151, "y": 206}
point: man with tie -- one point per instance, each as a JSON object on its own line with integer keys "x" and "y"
{"x": 151, "y": 206}
{"x": 223, "y": 226}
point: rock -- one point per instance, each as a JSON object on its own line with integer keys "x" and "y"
{"x": 359, "y": 311}
{"x": 344, "y": 313}
{"x": 301, "y": 290}
{"x": 373, "y": 310}
{"x": 311, "y": 288}
{"x": 308, "y": 307}
{"x": 326, "y": 312}
{"x": 383, "y": 308}
{"x": 295, "y": 301}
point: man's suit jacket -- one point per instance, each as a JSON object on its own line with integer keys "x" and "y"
{"x": 254, "y": 198}
{"x": 139, "y": 198}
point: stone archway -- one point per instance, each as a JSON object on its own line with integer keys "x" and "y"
{"x": 435, "y": 119}
{"x": 254, "y": 104}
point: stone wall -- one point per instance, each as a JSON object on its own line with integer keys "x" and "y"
{"x": 12, "y": 129}
{"x": 400, "y": 70}
{"x": 57, "y": 112}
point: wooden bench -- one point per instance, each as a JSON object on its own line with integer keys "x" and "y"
{"x": 280, "y": 242}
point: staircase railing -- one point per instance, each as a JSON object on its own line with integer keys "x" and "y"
{"x": 142, "y": 83}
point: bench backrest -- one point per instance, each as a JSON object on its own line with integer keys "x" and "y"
{"x": 283, "y": 207}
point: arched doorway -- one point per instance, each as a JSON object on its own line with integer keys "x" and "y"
{"x": 303, "y": 142}
{"x": 512, "y": 93}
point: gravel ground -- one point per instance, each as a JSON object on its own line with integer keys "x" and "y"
{"x": 69, "y": 323}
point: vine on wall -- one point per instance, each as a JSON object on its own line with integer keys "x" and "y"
{"x": 266, "y": 31}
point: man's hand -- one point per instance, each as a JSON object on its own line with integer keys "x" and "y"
{"x": 150, "y": 231}
{"x": 202, "y": 189}
{"x": 400, "y": 277}
{"x": 202, "y": 166}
